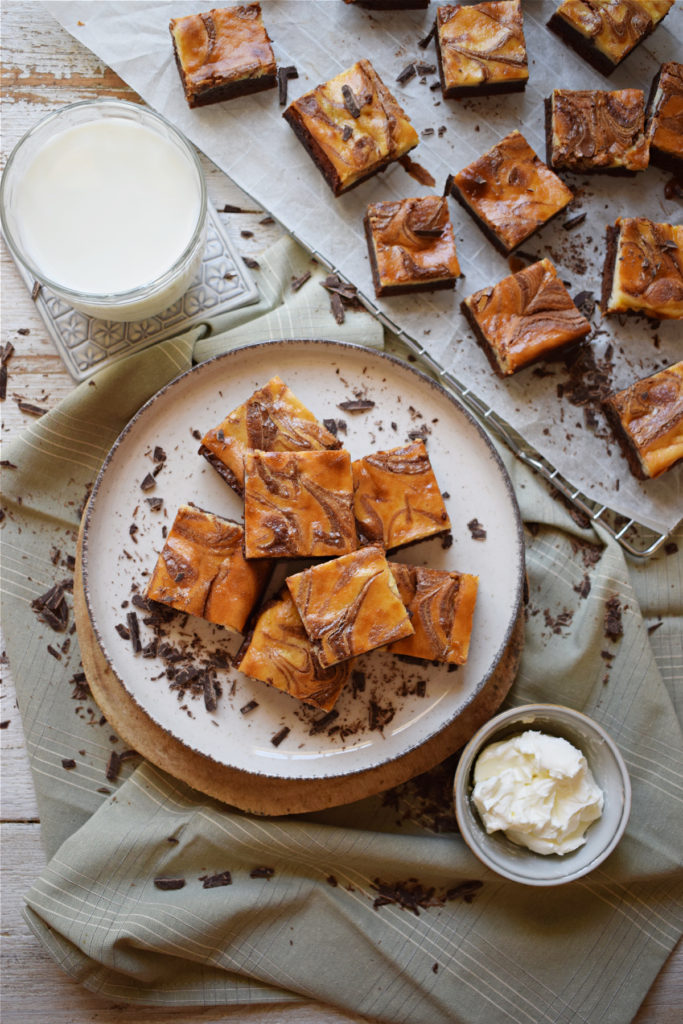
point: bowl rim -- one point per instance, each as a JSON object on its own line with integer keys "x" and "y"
{"x": 487, "y": 734}
{"x": 148, "y": 288}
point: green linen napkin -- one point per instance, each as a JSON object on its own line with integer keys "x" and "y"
{"x": 476, "y": 948}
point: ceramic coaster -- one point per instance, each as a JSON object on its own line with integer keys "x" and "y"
{"x": 86, "y": 344}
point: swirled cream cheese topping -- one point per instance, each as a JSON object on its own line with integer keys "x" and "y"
{"x": 539, "y": 790}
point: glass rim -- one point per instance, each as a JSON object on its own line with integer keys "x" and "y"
{"x": 141, "y": 291}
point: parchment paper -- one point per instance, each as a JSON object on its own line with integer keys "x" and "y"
{"x": 248, "y": 139}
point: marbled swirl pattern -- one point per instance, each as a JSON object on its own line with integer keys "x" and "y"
{"x": 412, "y": 241}
{"x": 481, "y": 44}
{"x": 441, "y": 605}
{"x": 593, "y": 129}
{"x": 648, "y": 273}
{"x": 615, "y": 26}
{"x": 648, "y": 417}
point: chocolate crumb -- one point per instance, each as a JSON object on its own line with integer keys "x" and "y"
{"x": 322, "y": 723}
{"x": 7, "y": 352}
{"x": 4, "y": 725}
{"x": 283, "y": 76}
{"x": 249, "y": 707}
{"x": 30, "y": 408}
{"x": 155, "y": 504}
{"x": 435, "y": 968}
{"x": 357, "y": 682}
{"x": 36, "y": 290}
{"x": 216, "y": 881}
{"x": 337, "y": 307}
{"x": 113, "y": 768}
{"x": 3, "y": 381}
{"x": 583, "y": 588}
{"x": 169, "y": 884}
{"x": 476, "y": 529}
{"x": 134, "y": 627}
{"x": 331, "y": 880}
{"x": 147, "y": 483}
{"x": 262, "y": 872}
{"x": 671, "y": 548}
{"x": 251, "y": 263}
{"x": 68, "y": 763}
{"x": 425, "y": 69}
{"x": 277, "y": 739}
{"x": 613, "y": 625}
{"x": 210, "y": 697}
{"x": 424, "y": 43}
{"x": 357, "y": 405}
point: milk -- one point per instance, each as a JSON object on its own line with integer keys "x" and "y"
{"x": 107, "y": 206}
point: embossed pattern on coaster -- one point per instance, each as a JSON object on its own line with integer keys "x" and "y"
{"x": 87, "y": 344}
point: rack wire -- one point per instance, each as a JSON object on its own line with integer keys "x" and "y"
{"x": 638, "y": 540}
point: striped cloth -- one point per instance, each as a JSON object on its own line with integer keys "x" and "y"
{"x": 491, "y": 952}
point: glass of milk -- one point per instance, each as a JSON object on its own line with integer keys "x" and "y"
{"x": 104, "y": 202}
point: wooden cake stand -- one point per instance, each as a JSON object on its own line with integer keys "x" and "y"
{"x": 256, "y": 793}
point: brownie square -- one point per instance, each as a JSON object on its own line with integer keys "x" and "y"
{"x": 223, "y": 53}
{"x": 278, "y": 652}
{"x": 596, "y": 130}
{"x": 396, "y": 498}
{"x": 350, "y": 605}
{"x": 509, "y": 192}
{"x": 604, "y": 32}
{"x": 525, "y": 317}
{"x": 273, "y": 420}
{"x": 352, "y": 126}
{"x": 202, "y": 570}
{"x": 441, "y": 605}
{"x": 647, "y": 418}
{"x": 298, "y": 504}
{"x": 665, "y": 119}
{"x": 481, "y": 48}
{"x": 643, "y": 271}
{"x": 411, "y": 245}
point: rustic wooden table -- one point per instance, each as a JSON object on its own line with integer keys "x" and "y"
{"x": 43, "y": 68}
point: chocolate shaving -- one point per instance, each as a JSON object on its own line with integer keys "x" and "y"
{"x": 216, "y": 881}
{"x": 283, "y": 76}
{"x": 155, "y": 504}
{"x": 36, "y": 290}
{"x": 337, "y": 307}
{"x": 30, "y": 408}
{"x": 299, "y": 282}
{"x": 3, "y": 381}
{"x": 262, "y": 872}
{"x": 7, "y": 353}
{"x": 252, "y": 264}
{"x": 347, "y": 132}
{"x": 168, "y": 884}
{"x": 52, "y": 608}
{"x": 210, "y": 697}
{"x": 159, "y": 455}
{"x": 322, "y": 723}
{"x": 416, "y": 171}
{"x": 654, "y": 627}
{"x": 357, "y": 405}
{"x": 424, "y": 43}
{"x": 68, "y": 763}
{"x": 134, "y": 627}
{"x": 425, "y": 69}
{"x": 350, "y": 101}
{"x": 574, "y": 222}
{"x": 113, "y": 768}
{"x": 148, "y": 483}
{"x": 277, "y": 739}
{"x": 246, "y": 708}
{"x": 407, "y": 73}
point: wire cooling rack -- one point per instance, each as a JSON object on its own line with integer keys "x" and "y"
{"x": 638, "y": 540}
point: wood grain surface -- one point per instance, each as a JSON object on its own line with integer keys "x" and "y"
{"x": 43, "y": 68}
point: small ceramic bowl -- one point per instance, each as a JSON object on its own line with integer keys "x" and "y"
{"x": 515, "y": 862}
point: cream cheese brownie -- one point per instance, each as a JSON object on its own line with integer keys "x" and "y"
{"x": 643, "y": 271}
{"x": 273, "y": 420}
{"x": 510, "y": 192}
{"x": 525, "y": 317}
{"x": 202, "y": 570}
{"x": 278, "y": 652}
{"x": 223, "y": 53}
{"x": 481, "y": 48}
{"x": 441, "y": 605}
{"x": 396, "y": 497}
{"x": 604, "y": 32}
{"x": 665, "y": 119}
{"x": 350, "y": 605}
{"x": 596, "y": 130}
{"x": 411, "y": 245}
{"x": 351, "y": 126}
{"x": 647, "y": 418}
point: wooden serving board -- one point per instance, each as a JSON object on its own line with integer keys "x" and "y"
{"x": 264, "y": 795}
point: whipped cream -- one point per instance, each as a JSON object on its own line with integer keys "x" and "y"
{"x": 539, "y": 790}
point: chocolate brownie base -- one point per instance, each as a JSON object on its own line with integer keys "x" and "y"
{"x": 222, "y": 470}
{"x": 584, "y": 47}
{"x": 624, "y": 441}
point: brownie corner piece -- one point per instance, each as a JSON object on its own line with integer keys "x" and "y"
{"x": 351, "y": 126}
{"x": 526, "y": 317}
{"x": 481, "y": 49}
{"x": 510, "y": 192}
{"x": 647, "y": 420}
{"x": 223, "y": 53}
{"x": 411, "y": 245}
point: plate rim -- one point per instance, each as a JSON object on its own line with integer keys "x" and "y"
{"x": 402, "y": 366}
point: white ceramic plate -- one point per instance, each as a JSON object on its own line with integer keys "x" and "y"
{"x": 416, "y": 700}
